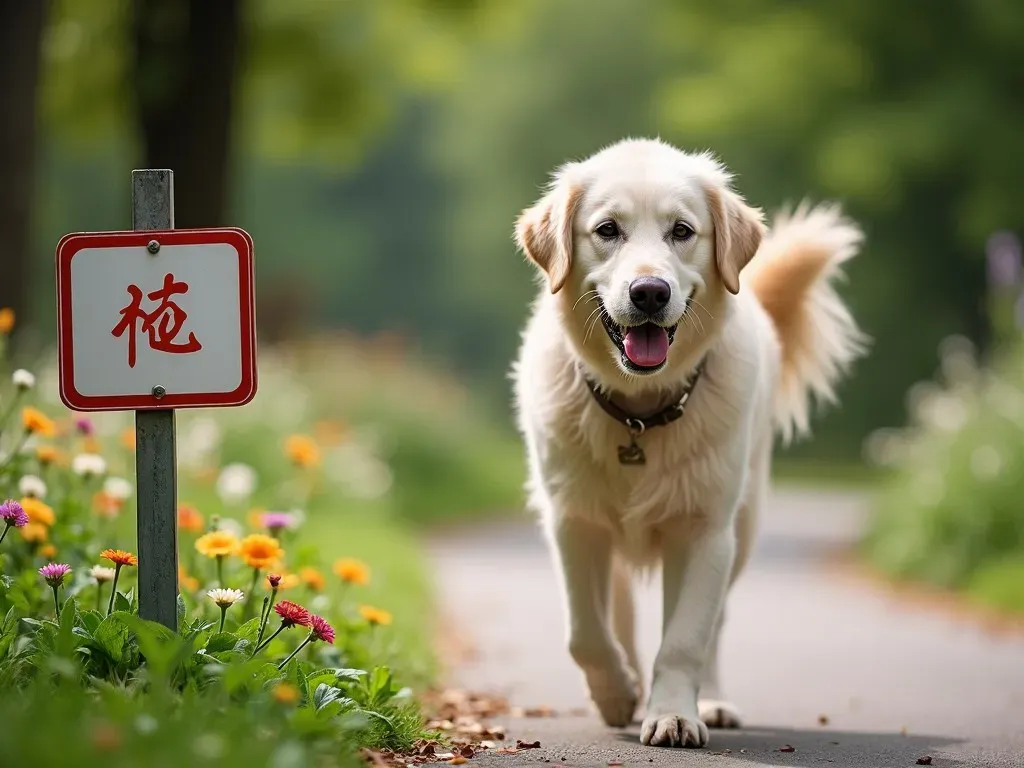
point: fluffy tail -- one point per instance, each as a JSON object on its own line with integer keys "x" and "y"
{"x": 792, "y": 275}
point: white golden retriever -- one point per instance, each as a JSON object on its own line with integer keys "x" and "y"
{"x": 673, "y": 335}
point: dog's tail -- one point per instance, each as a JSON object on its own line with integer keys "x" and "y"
{"x": 792, "y": 275}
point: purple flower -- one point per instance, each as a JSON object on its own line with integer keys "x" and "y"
{"x": 84, "y": 426}
{"x": 276, "y": 521}
{"x": 13, "y": 514}
{"x": 54, "y": 573}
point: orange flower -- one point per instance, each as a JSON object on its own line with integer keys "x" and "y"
{"x": 352, "y": 571}
{"x": 302, "y": 451}
{"x": 6, "y": 320}
{"x": 189, "y": 519}
{"x": 255, "y": 517}
{"x": 285, "y": 693}
{"x": 34, "y": 532}
{"x": 260, "y": 551}
{"x": 91, "y": 445}
{"x": 375, "y": 616}
{"x": 186, "y": 582}
{"x": 37, "y": 422}
{"x": 47, "y": 454}
{"x": 106, "y": 505}
{"x": 48, "y": 551}
{"x": 119, "y": 557}
{"x": 313, "y": 579}
{"x": 37, "y": 511}
{"x": 128, "y": 438}
{"x": 217, "y": 544}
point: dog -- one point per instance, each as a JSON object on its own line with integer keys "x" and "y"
{"x": 674, "y": 335}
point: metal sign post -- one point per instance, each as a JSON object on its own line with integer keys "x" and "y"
{"x": 153, "y": 320}
{"x": 156, "y": 460}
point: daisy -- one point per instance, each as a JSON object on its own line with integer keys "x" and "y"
{"x": 225, "y": 598}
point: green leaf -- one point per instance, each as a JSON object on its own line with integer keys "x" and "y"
{"x": 224, "y": 641}
{"x": 112, "y": 635}
{"x": 122, "y": 603}
{"x": 325, "y": 694}
{"x": 350, "y": 674}
{"x": 89, "y": 621}
{"x": 66, "y": 637}
{"x": 249, "y": 630}
{"x": 181, "y": 610}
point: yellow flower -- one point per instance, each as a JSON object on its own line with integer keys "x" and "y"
{"x": 260, "y": 551}
{"x": 6, "y": 320}
{"x": 352, "y": 571}
{"x": 33, "y": 532}
{"x": 285, "y": 693}
{"x": 217, "y": 544}
{"x": 313, "y": 579}
{"x": 91, "y": 445}
{"x": 302, "y": 451}
{"x": 255, "y": 517}
{"x": 128, "y": 438}
{"x": 47, "y": 454}
{"x": 37, "y": 422}
{"x": 37, "y": 511}
{"x": 375, "y": 615}
{"x": 48, "y": 551}
{"x": 189, "y": 519}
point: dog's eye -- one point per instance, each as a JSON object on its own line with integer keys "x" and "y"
{"x": 682, "y": 231}
{"x": 608, "y": 230}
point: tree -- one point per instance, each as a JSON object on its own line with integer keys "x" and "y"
{"x": 21, "y": 31}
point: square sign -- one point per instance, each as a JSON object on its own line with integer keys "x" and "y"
{"x": 156, "y": 320}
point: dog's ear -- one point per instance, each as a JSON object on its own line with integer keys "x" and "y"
{"x": 544, "y": 232}
{"x": 739, "y": 229}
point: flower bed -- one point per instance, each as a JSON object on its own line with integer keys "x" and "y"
{"x": 284, "y": 654}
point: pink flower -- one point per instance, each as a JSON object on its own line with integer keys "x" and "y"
{"x": 54, "y": 573}
{"x": 84, "y": 426}
{"x": 274, "y": 579}
{"x": 292, "y": 614}
{"x": 275, "y": 522}
{"x": 12, "y": 513}
{"x": 320, "y": 629}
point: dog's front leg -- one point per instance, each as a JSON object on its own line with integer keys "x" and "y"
{"x": 584, "y": 552}
{"x": 696, "y": 577}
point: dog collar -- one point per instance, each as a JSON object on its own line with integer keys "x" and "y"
{"x": 637, "y": 425}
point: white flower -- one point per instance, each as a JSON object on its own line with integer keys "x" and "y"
{"x": 117, "y": 488}
{"x": 89, "y": 465}
{"x": 225, "y": 597}
{"x": 23, "y": 379}
{"x": 236, "y": 483}
{"x": 30, "y": 485}
{"x": 101, "y": 573}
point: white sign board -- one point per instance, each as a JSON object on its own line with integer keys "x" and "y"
{"x": 154, "y": 320}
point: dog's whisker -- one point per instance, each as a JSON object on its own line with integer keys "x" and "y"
{"x": 590, "y": 326}
{"x": 592, "y": 294}
{"x": 697, "y": 303}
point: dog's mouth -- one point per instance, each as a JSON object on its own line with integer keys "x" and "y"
{"x": 644, "y": 347}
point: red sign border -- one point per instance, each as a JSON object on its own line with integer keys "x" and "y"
{"x": 73, "y": 243}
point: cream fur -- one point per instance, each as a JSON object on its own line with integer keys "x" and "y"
{"x": 692, "y": 508}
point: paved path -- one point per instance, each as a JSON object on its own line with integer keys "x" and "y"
{"x": 800, "y": 642}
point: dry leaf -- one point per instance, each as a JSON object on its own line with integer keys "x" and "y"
{"x": 458, "y": 760}
{"x": 787, "y": 748}
{"x": 506, "y": 751}
{"x": 527, "y": 745}
{"x": 822, "y": 719}
{"x": 926, "y": 760}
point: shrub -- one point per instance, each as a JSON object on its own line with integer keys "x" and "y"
{"x": 950, "y": 512}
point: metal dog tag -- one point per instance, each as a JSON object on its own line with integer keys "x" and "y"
{"x": 632, "y": 453}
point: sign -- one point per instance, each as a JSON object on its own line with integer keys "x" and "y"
{"x": 156, "y": 319}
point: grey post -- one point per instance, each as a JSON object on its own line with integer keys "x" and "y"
{"x": 155, "y": 454}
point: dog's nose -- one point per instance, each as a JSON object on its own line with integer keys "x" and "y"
{"x": 649, "y": 294}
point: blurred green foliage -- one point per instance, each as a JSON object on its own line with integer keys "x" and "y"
{"x": 384, "y": 149}
{"x": 950, "y": 512}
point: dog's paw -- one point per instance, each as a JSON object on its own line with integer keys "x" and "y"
{"x": 615, "y": 695}
{"x": 673, "y": 731}
{"x": 719, "y": 714}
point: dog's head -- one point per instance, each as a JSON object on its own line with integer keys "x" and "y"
{"x": 644, "y": 241}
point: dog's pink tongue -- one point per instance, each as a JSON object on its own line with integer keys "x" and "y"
{"x": 646, "y": 344}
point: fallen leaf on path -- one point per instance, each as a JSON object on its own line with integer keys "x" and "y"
{"x": 822, "y": 719}
{"x": 458, "y": 760}
{"x": 787, "y": 748}
{"x": 926, "y": 760}
{"x": 527, "y": 744}
{"x": 506, "y": 751}
{"x": 615, "y": 762}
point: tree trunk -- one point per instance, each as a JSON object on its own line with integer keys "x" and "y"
{"x": 21, "y": 32}
{"x": 185, "y": 62}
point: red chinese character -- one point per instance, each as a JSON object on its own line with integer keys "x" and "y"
{"x": 162, "y": 324}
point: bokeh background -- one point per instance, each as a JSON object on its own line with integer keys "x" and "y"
{"x": 379, "y": 151}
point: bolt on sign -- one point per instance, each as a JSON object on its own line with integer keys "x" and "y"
{"x": 156, "y": 319}
{"x": 152, "y": 320}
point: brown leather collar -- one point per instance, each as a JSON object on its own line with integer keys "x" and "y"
{"x": 638, "y": 425}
